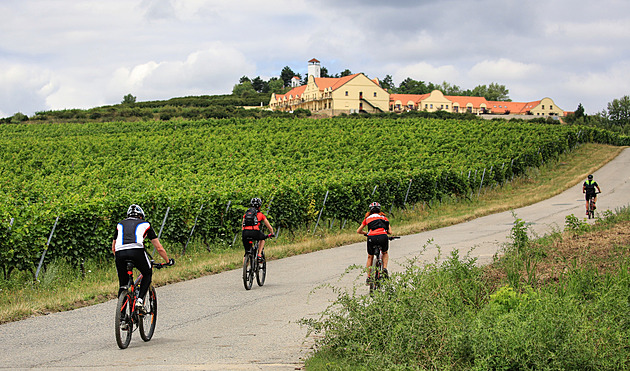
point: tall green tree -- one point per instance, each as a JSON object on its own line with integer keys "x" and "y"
{"x": 388, "y": 84}
{"x": 286, "y": 75}
{"x": 619, "y": 111}
{"x": 497, "y": 92}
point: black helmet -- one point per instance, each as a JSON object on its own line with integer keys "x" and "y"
{"x": 375, "y": 207}
{"x": 256, "y": 202}
{"x": 590, "y": 177}
{"x": 135, "y": 211}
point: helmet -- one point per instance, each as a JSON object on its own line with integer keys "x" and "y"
{"x": 256, "y": 202}
{"x": 375, "y": 207}
{"x": 590, "y": 177}
{"x": 135, "y": 211}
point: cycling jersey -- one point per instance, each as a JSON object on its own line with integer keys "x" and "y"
{"x": 261, "y": 218}
{"x": 590, "y": 185}
{"x": 131, "y": 232}
{"x": 376, "y": 223}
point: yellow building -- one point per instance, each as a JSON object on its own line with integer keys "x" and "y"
{"x": 333, "y": 96}
{"x": 357, "y": 93}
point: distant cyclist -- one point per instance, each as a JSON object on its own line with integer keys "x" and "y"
{"x": 251, "y": 227}
{"x": 378, "y": 229}
{"x": 128, "y": 245}
{"x": 589, "y": 188}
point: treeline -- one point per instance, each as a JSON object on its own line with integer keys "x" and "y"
{"x": 492, "y": 92}
{"x": 615, "y": 117}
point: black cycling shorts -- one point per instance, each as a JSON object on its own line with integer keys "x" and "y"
{"x": 590, "y": 195}
{"x": 378, "y": 240}
{"x": 249, "y": 236}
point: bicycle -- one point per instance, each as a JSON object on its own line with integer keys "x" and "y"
{"x": 251, "y": 266}
{"x": 128, "y": 318}
{"x": 377, "y": 272}
{"x": 591, "y": 206}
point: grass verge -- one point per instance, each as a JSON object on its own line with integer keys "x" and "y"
{"x": 556, "y": 303}
{"x": 63, "y": 287}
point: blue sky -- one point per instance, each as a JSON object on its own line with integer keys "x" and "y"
{"x": 57, "y": 54}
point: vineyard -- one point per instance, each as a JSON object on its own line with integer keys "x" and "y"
{"x": 200, "y": 175}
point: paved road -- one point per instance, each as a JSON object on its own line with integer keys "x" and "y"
{"x": 212, "y": 323}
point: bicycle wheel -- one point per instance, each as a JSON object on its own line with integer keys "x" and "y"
{"x": 149, "y": 319}
{"x": 248, "y": 271}
{"x": 261, "y": 271}
{"x": 375, "y": 272}
{"x": 123, "y": 320}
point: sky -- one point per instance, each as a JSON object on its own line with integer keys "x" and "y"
{"x": 64, "y": 54}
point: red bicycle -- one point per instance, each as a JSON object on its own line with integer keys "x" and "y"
{"x": 128, "y": 318}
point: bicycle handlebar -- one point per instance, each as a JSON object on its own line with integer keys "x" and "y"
{"x": 388, "y": 237}
{"x": 162, "y": 265}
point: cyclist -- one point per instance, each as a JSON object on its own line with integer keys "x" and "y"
{"x": 378, "y": 229}
{"x": 589, "y": 188}
{"x": 251, "y": 227}
{"x": 128, "y": 245}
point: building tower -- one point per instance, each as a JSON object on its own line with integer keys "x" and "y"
{"x": 314, "y": 68}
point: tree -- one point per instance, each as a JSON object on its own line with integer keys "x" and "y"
{"x": 449, "y": 89}
{"x": 258, "y": 84}
{"x": 411, "y": 86}
{"x": 275, "y": 85}
{"x": 346, "y": 72}
{"x": 619, "y": 111}
{"x": 497, "y": 92}
{"x": 286, "y": 75}
{"x": 244, "y": 79}
{"x": 324, "y": 72}
{"x": 388, "y": 84}
{"x": 243, "y": 90}
{"x": 129, "y": 99}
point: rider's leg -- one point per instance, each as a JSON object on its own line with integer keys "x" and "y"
{"x": 368, "y": 265}
{"x": 385, "y": 259}
{"x": 261, "y": 244}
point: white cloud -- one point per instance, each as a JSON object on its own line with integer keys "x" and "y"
{"x": 427, "y": 73}
{"x": 23, "y": 88}
{"x": 501, "y": 70}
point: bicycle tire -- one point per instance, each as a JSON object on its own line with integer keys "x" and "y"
{"x": 248, "y": 271}
{"x": 149, "y": 319}
{"x": 376, "y": 274}
{"x": 261, "y": 271}
{"x": 123, "y": 320}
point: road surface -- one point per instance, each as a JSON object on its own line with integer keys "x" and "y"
{"x": 213, "y": 323}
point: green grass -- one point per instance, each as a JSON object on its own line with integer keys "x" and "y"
{"x": 455, "y": 315}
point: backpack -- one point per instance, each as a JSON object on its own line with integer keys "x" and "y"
{"x": 250, "y": 218}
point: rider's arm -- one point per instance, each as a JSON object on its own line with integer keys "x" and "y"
{"x": 266, "y": 221}
{"x": 584, "y": 188}
{"x": 160, "y": 249}
{"x": 114, "y": 247}
{"x": 598, "y": 190}
{"x": 360, "y": 229}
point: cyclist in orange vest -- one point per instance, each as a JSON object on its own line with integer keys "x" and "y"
{"x": 251, "y": 227}
{"x": 378, "y": 229}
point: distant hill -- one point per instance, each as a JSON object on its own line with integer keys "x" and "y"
{"x": 192, "y": 108}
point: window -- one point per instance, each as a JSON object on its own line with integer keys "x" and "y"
{"x": 550, "y": 107}
{"x": 346, "y": 93}
{"x": 426, "y": 106}
{"x": 543, "y": 106}
{"x": 374, "y": 94}
{"x": 447, "y": 106}
{"x": 431, "y": 105}
{"x": 441, "y": 106}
